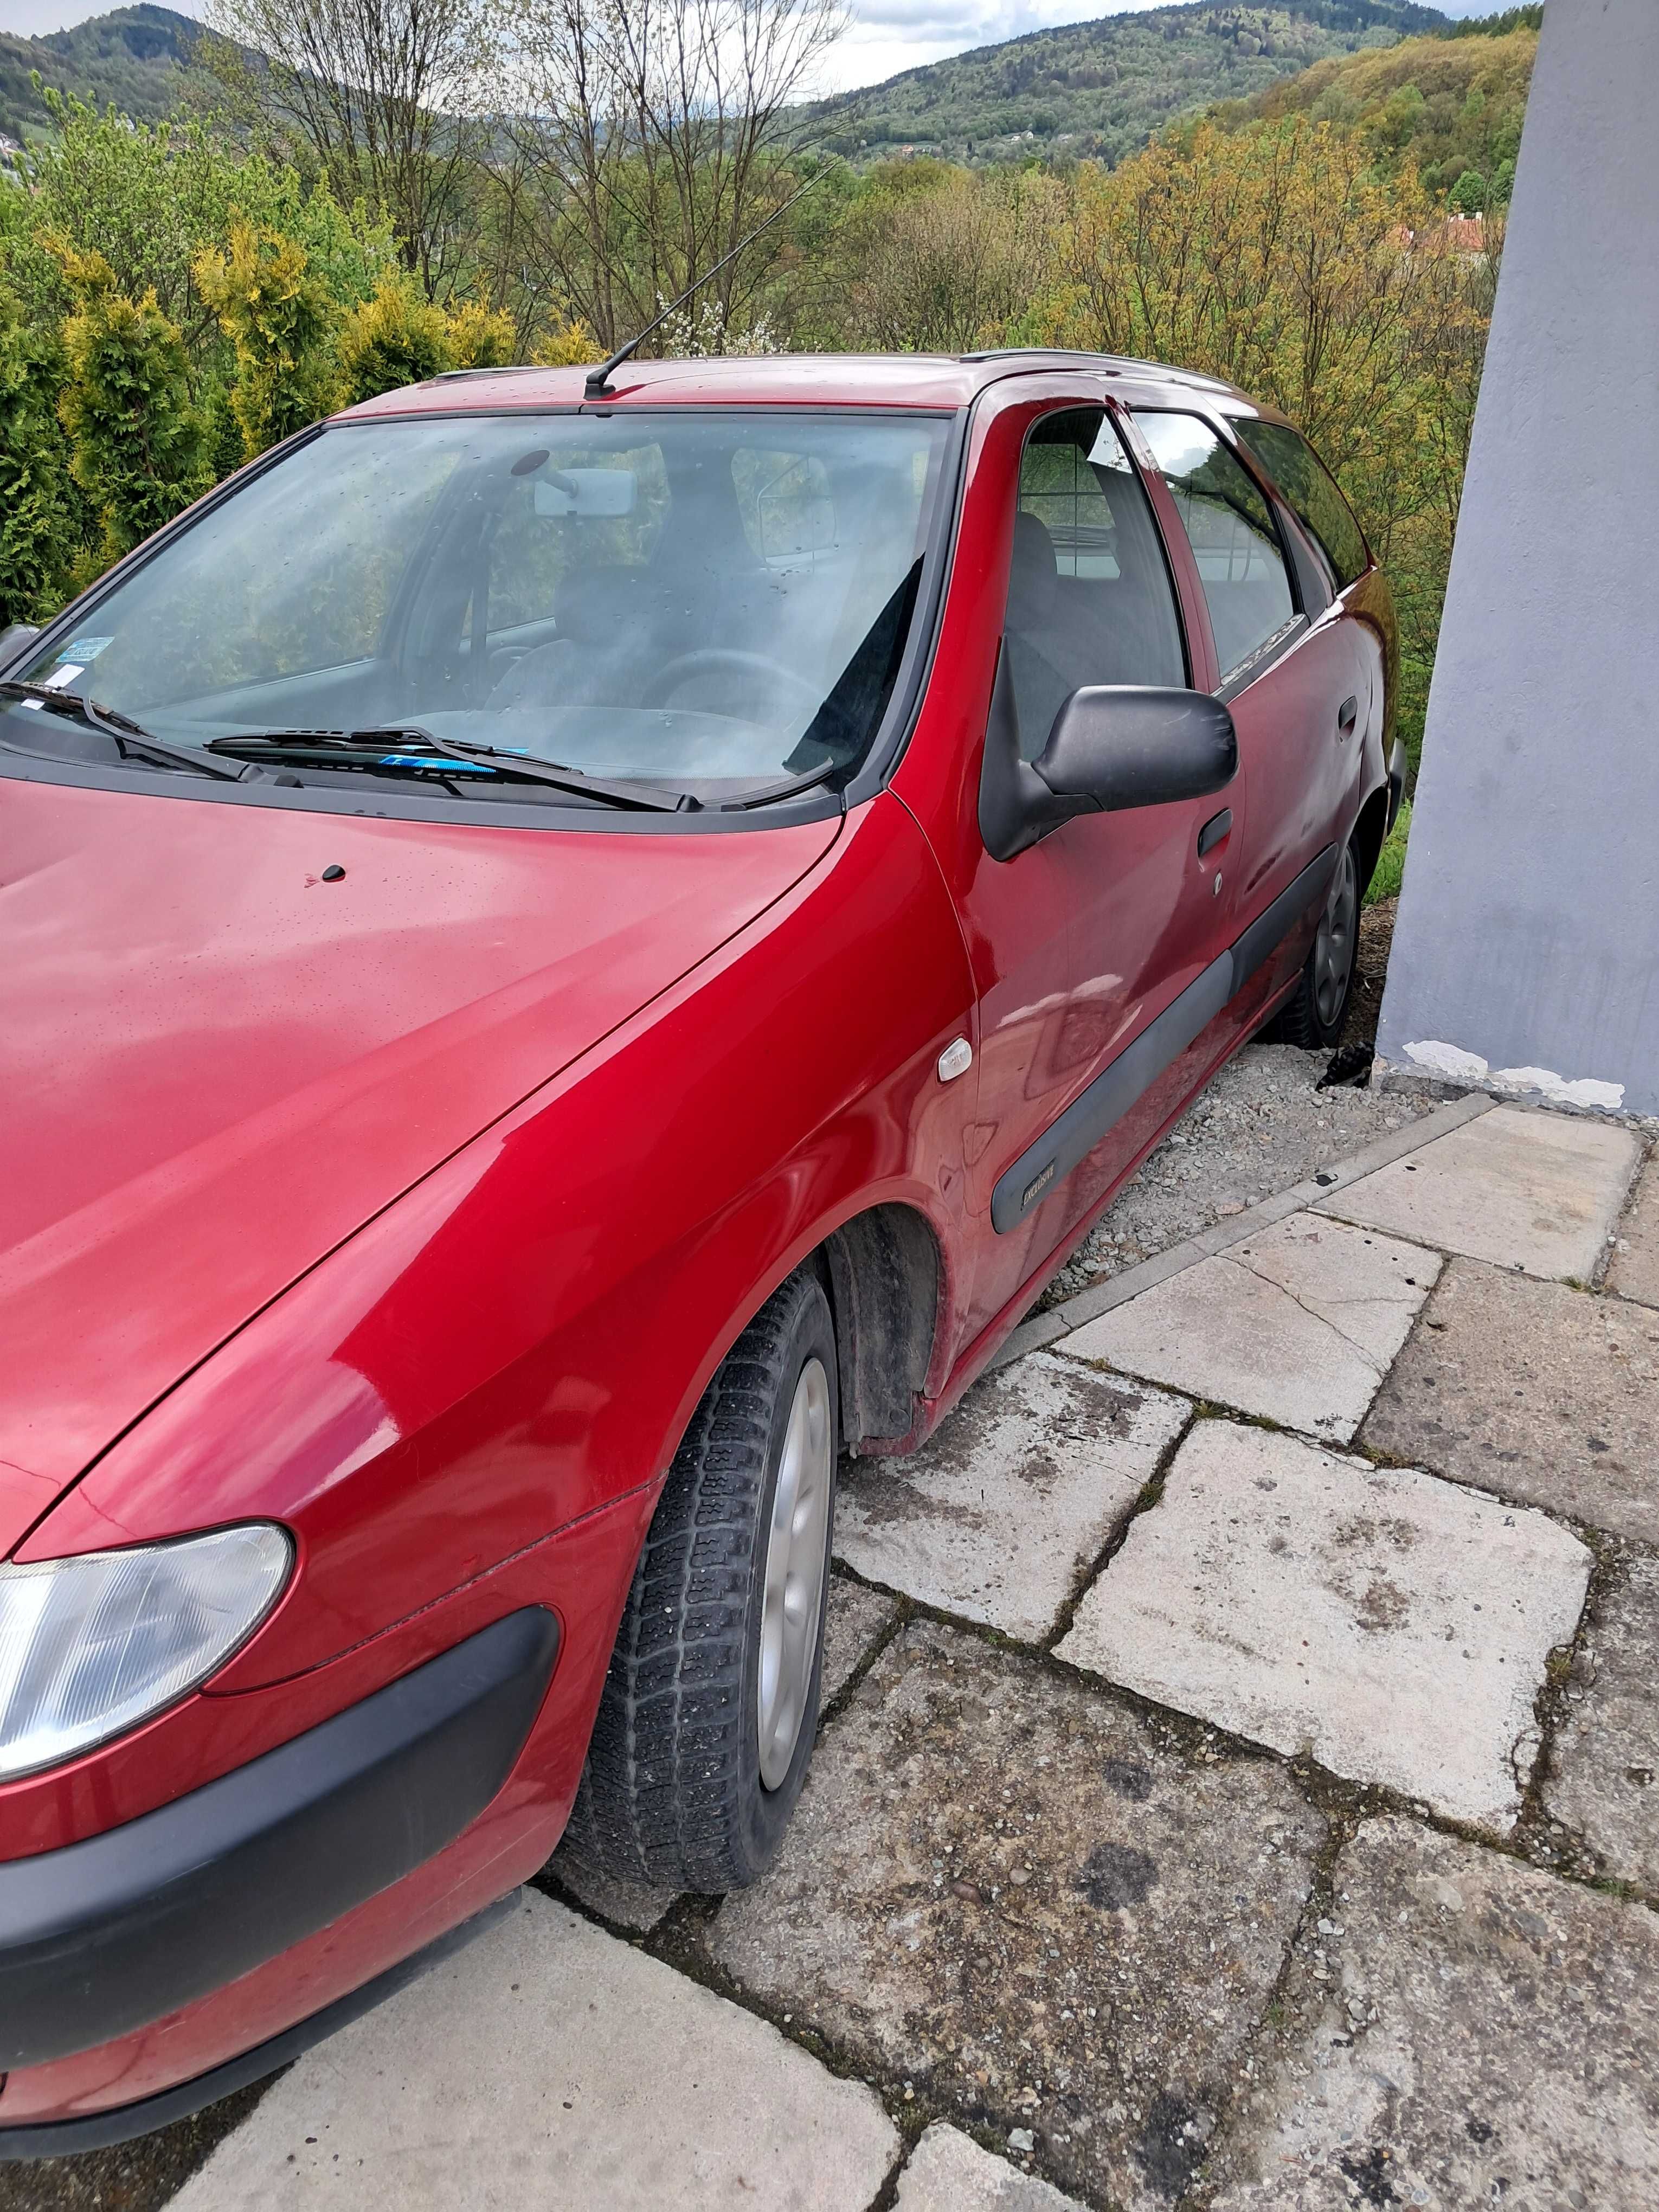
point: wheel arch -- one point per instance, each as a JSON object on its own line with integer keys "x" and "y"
{"x": 1369, "y": 832}
{"x": 885, "y": 1273}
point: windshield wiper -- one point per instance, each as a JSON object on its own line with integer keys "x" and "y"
{"x": 409, "y": 750}
{"x": 128, "y": 738}
{"x": 769, "y": 792}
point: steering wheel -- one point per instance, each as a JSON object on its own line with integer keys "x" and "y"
{"x": 719, "y": 659}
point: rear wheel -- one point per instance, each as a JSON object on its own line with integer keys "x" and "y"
{"x": 710, "y": 1706}
{"x": 1313, "y": 1016}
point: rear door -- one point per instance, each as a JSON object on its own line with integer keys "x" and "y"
{"x": 1289, "y": 670}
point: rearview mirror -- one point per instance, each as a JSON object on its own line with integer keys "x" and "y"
{"x": 587, "y": 491}
{"x": 1112, "y": 746}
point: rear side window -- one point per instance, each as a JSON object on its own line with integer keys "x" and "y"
{"x": 1309, "y": 487}
{"x": 1089, "y": 599}
{"x": 1241, "y": 564}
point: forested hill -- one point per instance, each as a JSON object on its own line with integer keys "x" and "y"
{"x": 134, "y": 57}
{"x": 1103, "y": 89}
{"x": 1451, "y": 106}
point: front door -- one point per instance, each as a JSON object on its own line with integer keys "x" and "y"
{"x": 1083, "y": 940}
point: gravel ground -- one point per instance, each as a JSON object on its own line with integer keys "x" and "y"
{"x": 133, "y": 2176}
{"x": 1261, "y": 1126}
{"x": 1376, "y": 936}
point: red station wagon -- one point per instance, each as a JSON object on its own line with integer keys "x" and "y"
{"x": 573, "y": 949}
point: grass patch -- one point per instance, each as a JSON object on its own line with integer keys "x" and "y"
{"x": 1391, "y": 860}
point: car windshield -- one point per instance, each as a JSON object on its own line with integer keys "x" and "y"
{"x": 706, "y": 600}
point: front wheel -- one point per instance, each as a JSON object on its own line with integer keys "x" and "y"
{"x": 710, "y": 1707}
{"x": 1314, "y": 1014}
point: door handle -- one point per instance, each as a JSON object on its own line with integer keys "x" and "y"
{"x": 1346, "y": 715}
{"x": 1214, "y": 830}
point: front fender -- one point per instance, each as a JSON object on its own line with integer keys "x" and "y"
{"x": 523, "y": 1336}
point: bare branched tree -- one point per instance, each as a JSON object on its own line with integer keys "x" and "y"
{"x": 656, "y": 134}
{"x": 953, "y": 267}
{"x": 384, "y": 97}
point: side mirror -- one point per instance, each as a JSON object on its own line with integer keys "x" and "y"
{"x": 1113, "y": 745}
{"x": 14, "y": 638}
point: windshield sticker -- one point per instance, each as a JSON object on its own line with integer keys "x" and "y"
{"x": 65, "y": 672}
{"x": 84, "y": 649}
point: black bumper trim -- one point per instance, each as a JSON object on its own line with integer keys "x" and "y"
{"x": 107, "y": 1935}
{"x": 120, "y": 2124}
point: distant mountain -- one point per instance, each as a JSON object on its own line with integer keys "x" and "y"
{"x": 1103, "y": 89}
{"x": 135, "y": 56}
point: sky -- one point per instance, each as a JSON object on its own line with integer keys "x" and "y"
{"x": 883, "y": 36}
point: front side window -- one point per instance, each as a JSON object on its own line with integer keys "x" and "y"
{"x": 699, "y": 600}
{"x": 1089, "y": 599}
{"x": 1311, "y": 491}
{"x": 1240, "y": 563}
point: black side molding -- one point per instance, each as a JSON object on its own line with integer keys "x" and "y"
{"x": 1269, "y": 930}
{"x": 120, "y": 2124}
{"x": 109, "y": 1934}
{"x": 1138, "y": 1067}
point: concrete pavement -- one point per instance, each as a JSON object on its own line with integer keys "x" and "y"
{"x": 1238, "y": 1790}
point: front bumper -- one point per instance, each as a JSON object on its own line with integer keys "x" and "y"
{"x": 117, "y": 1931}
{"x": 120, "y": 2124}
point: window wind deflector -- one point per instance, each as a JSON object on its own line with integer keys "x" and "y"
{"x": 414, "y": 752}
{"x": 130, "y": 739}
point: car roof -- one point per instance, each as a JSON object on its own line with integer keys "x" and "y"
{"x": 824, "y": 379}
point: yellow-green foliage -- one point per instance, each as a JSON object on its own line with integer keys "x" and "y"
{"x": 395, "y": 338}
{"x": 480, "y": 338}
{"x": 36, "y": 503}
{"x": 281, "y": 319}
{"x": 398, "y": 337}
{"x": 568, "y": 345}
{"x": 139, "y": 443}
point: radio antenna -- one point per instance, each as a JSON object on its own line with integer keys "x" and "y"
{"x": 597, "y": 384}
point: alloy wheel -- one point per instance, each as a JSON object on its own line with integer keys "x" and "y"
{"x": 1334, "y": 947}
{"x": 794, "y": 1591}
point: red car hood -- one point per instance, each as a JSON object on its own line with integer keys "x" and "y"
{"x": 215, "y": 1064}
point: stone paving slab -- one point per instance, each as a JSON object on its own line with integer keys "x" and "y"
{"x": 1603, "y": 1776}
{"x": 1540, "y": 1192}
{"x": 1008, "y": 1890}
{"x": 551, "y": 2068}
{"x": 1394, "y": 1626}
{"x": 949, "y": 2172}
{"x": 1001, "y": 1514}
{"x": 1299, "y": 1324}
{"x": 854, "y": 1617}
{"x": 1635, "y": 1270}
{"x": 1468, "y": 2032}
{"x": 1533, "y": 1389}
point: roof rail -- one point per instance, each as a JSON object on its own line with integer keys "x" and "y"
{"x": 507, "y": 369}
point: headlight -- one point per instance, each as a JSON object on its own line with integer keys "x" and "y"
{"x": 90, "y": 1646}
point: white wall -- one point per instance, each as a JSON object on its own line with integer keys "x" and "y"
{"x": 1529, "y": 929}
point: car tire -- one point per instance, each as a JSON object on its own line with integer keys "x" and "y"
{"x": 710, "y": 1704}
{"x": 1314, "y": 1014}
